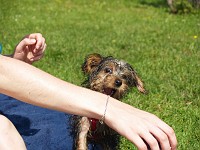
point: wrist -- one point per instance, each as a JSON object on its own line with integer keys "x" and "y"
{"x": 102, "y": 119}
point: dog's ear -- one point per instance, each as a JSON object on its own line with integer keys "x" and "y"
{"x": 91, "y": 62}
{"x": 138, "y": 83}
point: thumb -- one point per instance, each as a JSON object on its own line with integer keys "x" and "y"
{"x": 32, "y": 41}
{"x": 25, "y": 42}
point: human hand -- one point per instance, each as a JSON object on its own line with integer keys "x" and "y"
{"x": 31, "y": 48}
{"x": 143, "y": 129}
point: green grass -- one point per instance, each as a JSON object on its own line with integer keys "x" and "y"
{"x": 161, "y": 46}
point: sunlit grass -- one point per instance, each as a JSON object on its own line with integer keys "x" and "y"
{"x": 163, "y": 48}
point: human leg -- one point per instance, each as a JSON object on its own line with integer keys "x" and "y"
{"x": 9, "y": 137}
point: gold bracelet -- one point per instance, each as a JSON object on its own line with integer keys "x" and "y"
{"x": 101, "y": 121}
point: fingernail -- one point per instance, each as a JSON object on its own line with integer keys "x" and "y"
{"x": 32, "y": 40}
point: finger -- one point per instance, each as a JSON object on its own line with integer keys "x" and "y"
{"x": 170, "y": 133}
{"x": 40, "y": 52}
{"x": 37, "y": 56}
{"x": 37, "y": 36}
{"x": 33, "y": 59}
{"x": 138, "y": 142}
{"x": 150, "y": 140}
{"x": 167, "y": 130}
{"x": 40, "y": 41}
{"x": 43, "y": 48}
{"x": 161, "y": 137}
{"x": 25, "y": 42}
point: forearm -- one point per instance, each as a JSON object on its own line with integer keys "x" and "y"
{"x": 31, "y": 85}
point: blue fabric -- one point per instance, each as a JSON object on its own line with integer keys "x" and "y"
{"x": 41, "y": 129}
{"x": 1, "y": 48}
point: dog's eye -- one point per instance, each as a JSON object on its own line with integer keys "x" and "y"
{"x": 108, "y": 70}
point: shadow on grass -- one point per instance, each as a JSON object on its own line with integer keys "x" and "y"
{"x": 155, "y": 3}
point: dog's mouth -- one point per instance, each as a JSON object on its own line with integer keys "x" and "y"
{"x": 109, "y": 91}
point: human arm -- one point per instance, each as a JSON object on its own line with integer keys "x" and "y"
{"x": 37, "y": 87}
{"x": 30, "y": 49}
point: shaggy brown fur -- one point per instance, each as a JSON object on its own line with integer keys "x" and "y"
{"x": 112, "y": 77}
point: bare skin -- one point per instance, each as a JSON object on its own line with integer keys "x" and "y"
{"x": 37, "y": 87}
{"x": 30, "y": 49}
{"x": 8, "y": 133}
{"x": 53, "y": 93}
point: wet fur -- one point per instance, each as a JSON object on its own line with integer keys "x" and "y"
{"x": 112, "y": 77}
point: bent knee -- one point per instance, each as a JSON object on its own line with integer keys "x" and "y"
{"x": 6, "y": 124}
{"x": 9, "y": 137}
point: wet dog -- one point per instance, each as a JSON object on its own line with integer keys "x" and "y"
{"x": 114, "y": 78}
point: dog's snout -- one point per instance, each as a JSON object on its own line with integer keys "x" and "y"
{"x": 118, "y": 82}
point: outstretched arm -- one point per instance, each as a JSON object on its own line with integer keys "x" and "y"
{"x": 36, "y": 87}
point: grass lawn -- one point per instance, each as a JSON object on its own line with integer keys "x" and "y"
{"x": 163, "y": 48}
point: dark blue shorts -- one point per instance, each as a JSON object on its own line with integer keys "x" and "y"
{"x": 41, "y": 129}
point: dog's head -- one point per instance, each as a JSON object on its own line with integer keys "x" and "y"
{"x": 110, "y": 76}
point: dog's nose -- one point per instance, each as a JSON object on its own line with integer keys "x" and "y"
{"x": 118, "y": 82}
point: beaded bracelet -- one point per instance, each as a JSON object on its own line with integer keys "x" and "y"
{"x": 101, "y": 121}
